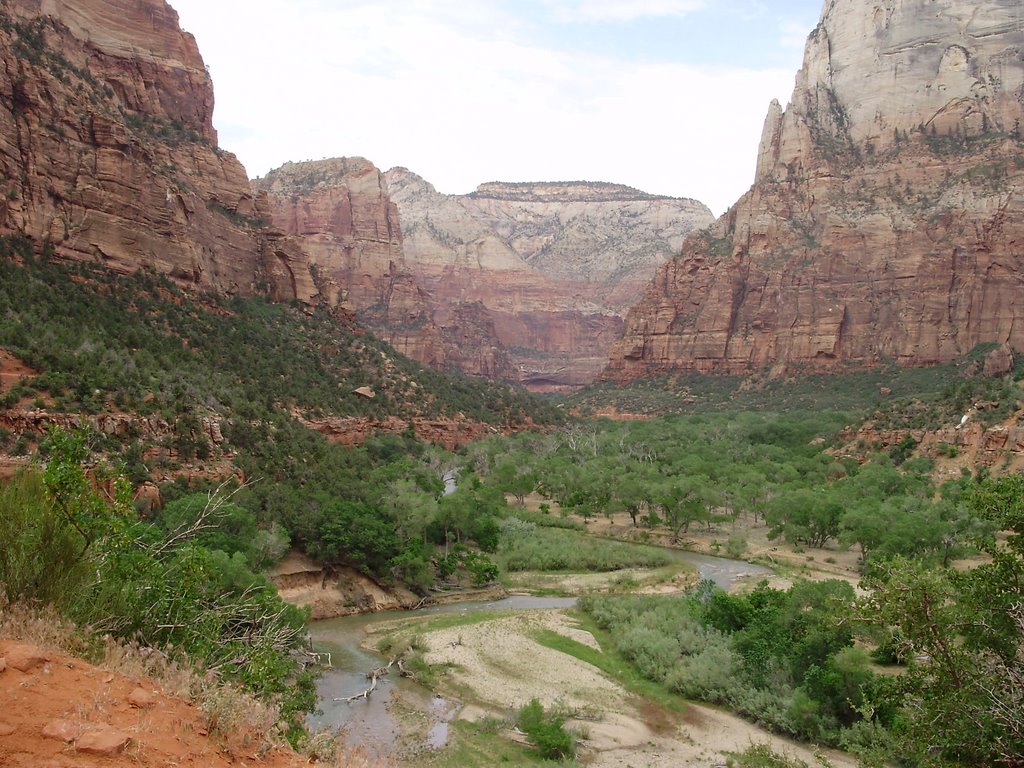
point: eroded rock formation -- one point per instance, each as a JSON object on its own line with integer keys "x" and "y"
{"x": 349, "y": 227}
{"x": 886, "y": 221}
{"x": 108, "y": 152}
{"x": 529, "y": 282}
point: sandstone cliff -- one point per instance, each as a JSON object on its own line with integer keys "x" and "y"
{"x": 348, "y": 225}
{"x": 108, "y": 153}
{"x": 886, "y": 221}
{"x": 529, "y": 281}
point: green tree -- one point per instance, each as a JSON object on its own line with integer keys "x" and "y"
{"x": 960, "y": 701}
{"x": 809, "y": 515}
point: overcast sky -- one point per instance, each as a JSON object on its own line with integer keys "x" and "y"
{"x": 668, "y": 96}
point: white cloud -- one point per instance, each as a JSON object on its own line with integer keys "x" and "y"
{"x": 466, "y": 98}
{"x": 622, "y": 10}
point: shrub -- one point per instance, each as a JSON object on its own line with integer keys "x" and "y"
{"x": 42, "y": 558}
{"x": 546, "y": 731}
{"x": 555, "y": 550}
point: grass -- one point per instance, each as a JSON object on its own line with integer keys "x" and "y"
{"x": 549, "y": 520}
{"x": 482, "y": 745}
{"x": 550, "y": 550}
{"x": 762, "y": 756}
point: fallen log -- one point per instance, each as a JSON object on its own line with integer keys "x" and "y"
{"x": 374, "y": 675}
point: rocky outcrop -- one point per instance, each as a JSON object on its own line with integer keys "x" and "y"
{"x": 971, "y": 445}
{"x": 356, "y": 430}
{"x": 349, "y": 227}
{"x": 886, "y": 221}
{"x": 529, "y": 282}
{"x": 108, "y": 152}
{"x": 332, "y": 592}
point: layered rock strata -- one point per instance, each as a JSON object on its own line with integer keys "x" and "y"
{"x": 886, "y": 220}
{"x": 529, "y": 282}
{"x": 108, "y": 152}
{"x": 349, "y": 227}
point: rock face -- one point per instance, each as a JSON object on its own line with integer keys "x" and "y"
{"x": 886, "y": 221}
{"x": 529, "y": 282}
{"x": 348, "y": 225}
{"x": 108, "y": 152}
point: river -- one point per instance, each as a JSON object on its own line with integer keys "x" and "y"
{"x": 368, "y": 722}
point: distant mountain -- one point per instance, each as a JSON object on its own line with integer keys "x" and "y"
{"x": 886, "y": 220}
{"x": 340, "y": 211}
{"x": 539, "y": 273}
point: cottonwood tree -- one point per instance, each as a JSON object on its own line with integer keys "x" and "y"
{"x": 962, "y": 697}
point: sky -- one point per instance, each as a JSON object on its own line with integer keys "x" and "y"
{"x": 668, "y": 96}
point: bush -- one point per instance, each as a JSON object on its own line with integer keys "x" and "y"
{"x": 86, "y": 552}
{"x": 546, "y": 731}
{"x": 547, "y": 549}
{"x": 42, "y": 558}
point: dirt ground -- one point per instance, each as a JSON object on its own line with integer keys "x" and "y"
{"x": 60, "y": 712}
{"x": 497, "y": 666}
{"x": 641, "y": 581}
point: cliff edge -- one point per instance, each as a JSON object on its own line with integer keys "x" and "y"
{"x": 886, "y": 220}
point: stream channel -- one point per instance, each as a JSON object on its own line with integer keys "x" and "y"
{"x": 369, "y": 724}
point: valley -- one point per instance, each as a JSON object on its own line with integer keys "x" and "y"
{"x": 337, "y": 468}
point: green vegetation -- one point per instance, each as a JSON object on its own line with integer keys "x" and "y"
{"x": 798, "y": 661}
{"x": 913, "y": 397}
{"x": 962, "y": 634}
{"x": 71, "y": 540}
{"x": 761, "y": 756}
{"x": 483, "y": 744}
{"x": 679, "y": 474}
{"x": 547, "y": 731}
{"x": 785, "y": 659}
{"x": 184, "y": 574}
{"x": 525, "y": 547}
{"x": 611, "y": 662}
{"x": 139, "y": 344}
{"x": 151, "y": 348}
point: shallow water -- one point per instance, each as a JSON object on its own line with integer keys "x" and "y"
{"x": 368, "y": 722}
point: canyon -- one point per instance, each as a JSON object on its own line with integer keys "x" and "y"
{"x": 886, "y": 220}
{"x": 552, "y": 266}
{"x": 519, "y": 282}
{"x": 109, "y": 155}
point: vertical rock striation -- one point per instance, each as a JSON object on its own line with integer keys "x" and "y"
{"x": 108, "y": 152}
{"x": 341, "y": 211}
{"x": 886, "y": 220}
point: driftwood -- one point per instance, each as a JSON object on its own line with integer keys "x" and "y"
{"x": 422, "y": 602}
{"x": 374, "y": 676}
{"x": 403, "y": 671}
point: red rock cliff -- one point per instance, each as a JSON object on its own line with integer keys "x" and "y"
{"x": 886, "y": 221}
{"x": 108, "y": 153}
{"x": 349, "y": 227}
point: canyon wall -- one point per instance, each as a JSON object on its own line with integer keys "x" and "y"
{"x": 348, "y": 225}
{"x": 529, "y": 282}
{"x": 108, "y": 152}
{"x": 886, "y": 220}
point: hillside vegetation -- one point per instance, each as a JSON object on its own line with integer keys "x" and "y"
{"x": 206, "y": 394}
{"x": 804, "y": 661}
